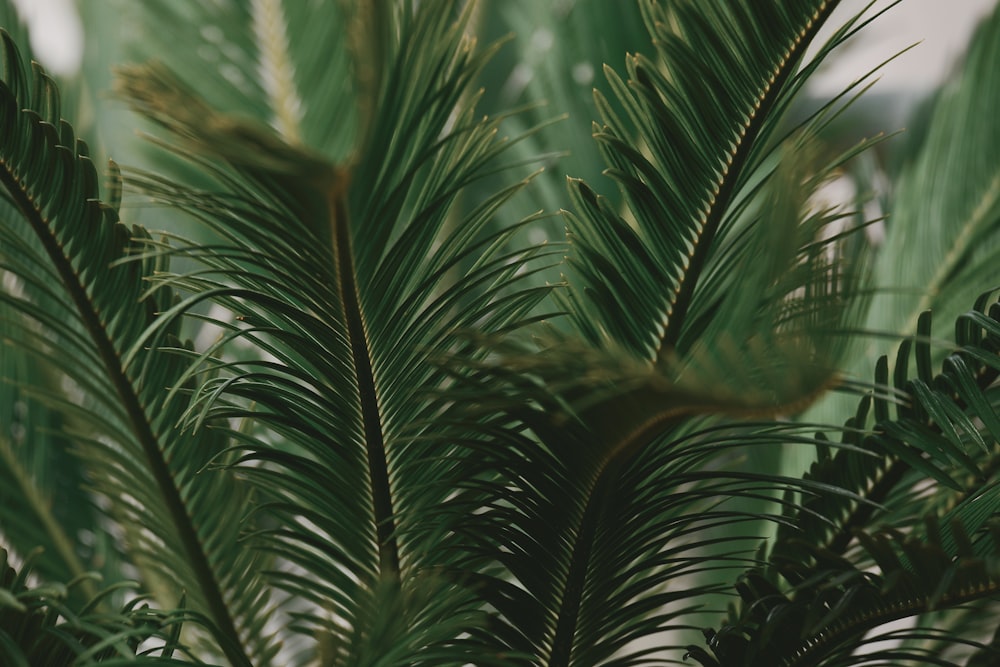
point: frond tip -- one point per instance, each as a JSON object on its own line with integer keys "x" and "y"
{"x": 696, "y": 129}
{"x": 100, "y": 311}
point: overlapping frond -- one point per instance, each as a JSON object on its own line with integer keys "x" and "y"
{"x": 920, "y": 456}
{"x": 358, "y": 433}
{"x": 605, "y": 529}
{"x": 609, "y": 442}
{"x": 78, "y": 316}
{"x": 352, "y": 281}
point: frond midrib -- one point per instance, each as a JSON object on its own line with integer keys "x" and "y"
{"x": 725, "y": 187}
{"x": 572, "y": 587}
{"x": 371, "y": 418}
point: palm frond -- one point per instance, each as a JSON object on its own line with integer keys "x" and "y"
{"x": 385, "y": 448}
{"x": 607, "y": 435}
{"x": 734, "y": 301}
{"x": 351, "y": 281}
{"x": 127, "y": 437}
{"x": 690, "y": 140}
{"x": 41, "y": 482}
{"x": 818, "y": 596}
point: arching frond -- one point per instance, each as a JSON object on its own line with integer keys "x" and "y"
{"x": 696, "y": 128}
{"x": 925, "y": 469}
{"x": 392, "y": 441}
{"x": 608, "y": 434}
{"x": 81, "y": 315}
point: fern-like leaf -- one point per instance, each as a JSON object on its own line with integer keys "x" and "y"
{"x": 818, "y": 596}
{"x": 351, "y": 281}
{"x": 127, "y": 438}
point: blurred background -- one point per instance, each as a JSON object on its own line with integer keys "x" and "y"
{"x": 942, "y": 28}
{"x": 531, "y": 69}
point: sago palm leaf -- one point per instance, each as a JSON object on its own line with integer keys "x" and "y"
{"x": 124, "y": 429}
{"x": 818, "y": 595}
{"x": 362, "y": 424}
{"x": 352, "y": 281}
{"x": 689, "y": 142}
{"x": 600, "y": 506}
{"x": 40, "y": 481}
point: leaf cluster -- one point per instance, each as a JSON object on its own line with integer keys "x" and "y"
{"x": 364, "y": 416}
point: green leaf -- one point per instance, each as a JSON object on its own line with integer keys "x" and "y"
{"x": 923, "y": 471}
{"x": 689, "y": 142}
{"x": 351, "y": 282}
{"x": 38, "y": 627}
{"x": 606, "y": 433}
{"x": 87, "y": 329}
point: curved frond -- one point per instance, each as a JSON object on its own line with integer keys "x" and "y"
{"x": 393, "y": 442}
{"x": 696, "y": 127}
{"x": 925, "y": 468}
{"x": 599, "y": 502}
{"x": 140, "y": 464}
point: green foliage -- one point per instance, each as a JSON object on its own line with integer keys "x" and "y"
{"x": 346, "y": 407}
{"x": 829, "y": 579}
{"x": 38, "y": 627}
